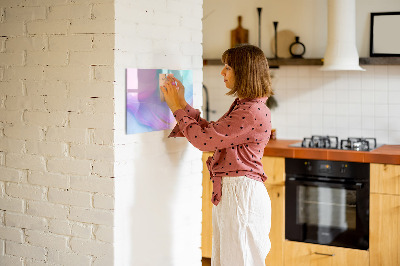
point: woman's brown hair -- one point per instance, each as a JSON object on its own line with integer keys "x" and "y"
{"x": 250, "y": 66}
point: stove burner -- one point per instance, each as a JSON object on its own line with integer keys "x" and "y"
{"x": 332, "y": 142}
{"x": 328, "y": 142}
{"x": 358, "y": 144}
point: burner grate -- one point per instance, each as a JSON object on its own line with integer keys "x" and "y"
{"x": 327, "y": 142}
{"x": 332, "y": 142}
{"x": 358, "y": 144}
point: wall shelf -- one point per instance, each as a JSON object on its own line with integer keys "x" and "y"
{"x": 380, "y": 61}
{"x": 274, "y": 63}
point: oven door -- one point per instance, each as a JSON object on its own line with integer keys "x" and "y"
{"x": 327, "y": 213}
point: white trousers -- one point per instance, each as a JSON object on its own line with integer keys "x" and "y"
{"x": 241, "y": 223}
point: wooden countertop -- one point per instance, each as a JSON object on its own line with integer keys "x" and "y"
{"x": 389, "y": 154}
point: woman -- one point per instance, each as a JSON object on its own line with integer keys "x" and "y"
{"x": 242, "y": 211}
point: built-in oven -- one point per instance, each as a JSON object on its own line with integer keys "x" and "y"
{"x": 327, "y": 202}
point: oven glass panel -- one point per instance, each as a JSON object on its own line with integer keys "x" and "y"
{"x": 326, "y": 207}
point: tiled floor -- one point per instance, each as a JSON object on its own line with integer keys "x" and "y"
{"x": 206, "y": 261}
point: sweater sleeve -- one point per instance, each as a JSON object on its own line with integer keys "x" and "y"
{"x": 193, "y": 113}
{"x": 231, "y": 130}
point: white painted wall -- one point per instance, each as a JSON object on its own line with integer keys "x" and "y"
{"x": 305, "y": 18}
{"x": 344, "y": 103}
{"x": 158, "y": 180}
{"x": 56, "y": 132}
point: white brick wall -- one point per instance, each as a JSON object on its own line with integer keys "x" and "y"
{"x": 62, "y": 138}
{"x": 56, "y": 132}
{"x": 156, "y": 177}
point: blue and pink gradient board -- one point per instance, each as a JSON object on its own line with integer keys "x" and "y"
{"x": 146, "y": 109}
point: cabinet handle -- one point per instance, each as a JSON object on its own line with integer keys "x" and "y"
{"x": 324, "y": 254}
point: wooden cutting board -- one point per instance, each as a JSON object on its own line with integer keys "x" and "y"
{"x": 239, "y": 35}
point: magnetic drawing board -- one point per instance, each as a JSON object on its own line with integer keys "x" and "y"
{"x": 146, "y": 109}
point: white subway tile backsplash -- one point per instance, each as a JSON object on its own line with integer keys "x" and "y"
{"x": 328, "y": 74}
{"x": 380, "y": 71}
{"x": 367, "y": 133}
{"x": 304, "y": 109}
{"x": 381, "y": 122}
{"x": 394, "y": 137}
{"x": 355, "y": 96}
{"x": 381, "y": 97}
{"x": 355, "y": 122}
{"x": 342, "y": 109}
{"x": 381, "y": 110}
{"x": 347, "y": 103}
{"x": 329, "y": 93}
{"x": 329, "y": 123}
{"x": 354, "y": 80}
{"x": 304, "y": 95}
{"x": 367, "y": 110}
{"x": 381, "y": 84}
{"x": 293, "y": 120}
{"x": 342, "y": 81}
{"x": 342, "y": 122}
{"x": 394, "y": 83}
{"x": 381, "y": 136}
{"x": 304, "y": 82}
{"x": 367, "y": 97}
{"x": 393, "y": 71}
{"x": 304, "y": 72}
{"x": 342, "y": 96}
{"x": 315, "y": 71}
{"x": 394, "y": 110}
{"x": 394, "y": 97}
{"x": 394, "y": 123}
{"x": 291, "y": 71}
{"x": 329, "y": 109}
{"x": 292, "y": 82}
{"x": 317, "y": 120}
{"x": 342, "y": 133}
{"x": 355, "y": 132}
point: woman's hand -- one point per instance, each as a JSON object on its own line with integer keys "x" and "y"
{"x": 181, "y": 91}
{"x": 171, "y": 95}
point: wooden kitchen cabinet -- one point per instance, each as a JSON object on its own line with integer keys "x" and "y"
{"x": 385, "y": 178}
{"x": 274, "y": 168}
{"x": 277, "y": 233}
{"x": 305, "y": 254}
{"x": 206, "y": 225}
{"x": 384, "y": 236}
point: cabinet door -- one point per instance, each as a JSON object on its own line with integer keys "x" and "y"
{"x": 304, "y": 254}
{"x": 274, "y": 168}
{"x": 385, "y": 178}
{"x": 206, "y": 226}
{"x": 384, "y": 229}
{"x": 277, "y": 233}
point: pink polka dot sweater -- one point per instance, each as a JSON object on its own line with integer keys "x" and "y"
{"x": 238, "y": 139}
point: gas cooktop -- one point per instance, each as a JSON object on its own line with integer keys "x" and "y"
{"x": 332, "y": 142}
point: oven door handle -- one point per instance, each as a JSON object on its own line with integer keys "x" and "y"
{"x": 357, "y": 185}
{"x": 324, "y": 254}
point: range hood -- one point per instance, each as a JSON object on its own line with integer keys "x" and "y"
{"x": 341, "y": 51}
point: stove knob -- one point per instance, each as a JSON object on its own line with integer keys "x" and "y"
{"x": 308, "y": 166}
{"x": 343, "y": 168}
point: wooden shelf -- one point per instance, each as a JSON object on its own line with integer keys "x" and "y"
{"x": 380, "y": 61}
{"x": 274, "y": 63}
